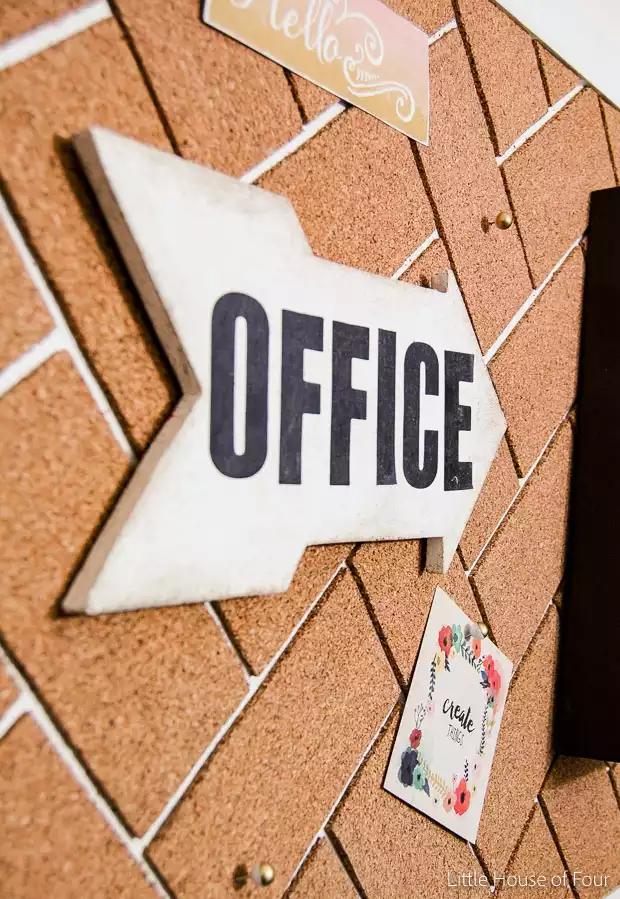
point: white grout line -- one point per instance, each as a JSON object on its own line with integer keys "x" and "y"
{"x": 445, "y": 29}
{"x": 307, "y": 132}
{"x": 416, "y": 254}
{"x": 551, "y": 112}
{"x": 13, "y": 714}
{"x": 29, "y": 361}
{"x": 522, "y": 483}
{"x": 255, "y": 685}
{"x": 51, "y": 33}
{"x": 249, "y": 677}
{"x": 322, "y": 829}
{"x": 65, "y": 335}
{"x": 33, "y": 706}
{"x": 514, "y": 321}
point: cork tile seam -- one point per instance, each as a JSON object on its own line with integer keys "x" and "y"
{"x": 324, "y": 831}
{"x": 614, "y": 166}
{"x": 523, "y": 482}
{"x": 61, "y": 337}
{"x": 412, "y": 260}
{"x": 488, "y": 117}
{"x": 30, "y": 704}
{"x": 54, "y": 31}
{"x": 255, "y": 684}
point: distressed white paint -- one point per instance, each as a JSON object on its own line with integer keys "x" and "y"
{"x": 182, "y": 531}
{"x": 585, "y": 35}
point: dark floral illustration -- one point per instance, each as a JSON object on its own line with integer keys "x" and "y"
{"x": 408, "y": 763}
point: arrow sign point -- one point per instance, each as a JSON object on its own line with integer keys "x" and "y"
{"x": 321, "y": 404}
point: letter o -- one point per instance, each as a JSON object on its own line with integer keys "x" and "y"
{"x": 226, "y": 311}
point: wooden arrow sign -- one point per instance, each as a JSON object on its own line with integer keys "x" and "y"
{"x": 321, "y": 404}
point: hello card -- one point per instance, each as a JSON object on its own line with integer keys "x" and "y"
{"x": 442, "y": 756}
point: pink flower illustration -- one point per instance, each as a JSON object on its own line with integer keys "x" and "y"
{"x": 448, "y": 801}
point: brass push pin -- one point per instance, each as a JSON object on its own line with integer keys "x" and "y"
{"x": 263, "y": 874}
{"x": 504, "y": 221}
{"x": 483, "y": 629}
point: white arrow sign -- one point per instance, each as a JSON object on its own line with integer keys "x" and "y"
{"x": 321, "y": 404}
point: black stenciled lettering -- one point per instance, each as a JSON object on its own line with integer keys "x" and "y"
{"x": 299, "y": 332}
{"x": 226, "y": 311}
{"x": 419, "y": 476}
{"x": 349, "y": 342}
{"x": 459, "y": 367}
{"x": 386, "y": 408}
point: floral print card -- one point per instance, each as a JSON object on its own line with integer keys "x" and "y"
{"x": 442, "y": 756}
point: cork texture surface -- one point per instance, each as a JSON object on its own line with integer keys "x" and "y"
{"x": 429, "y": 263}
{"x": 54, "y": 842}
{"x": 17, "y": 17}
{"x": 25, "y": 319}
{"x": 467, "y": 188}
{"x": 611, "y": 116}
{"x": 536, "y": 857}
{"x": 550, "y": 179}
{"x": 140, "y": 695}
{"x": 88, "y": 79}
{"x": 557, "y": 77}
{"x": 259, "y": 625}
{"x": 498, "y": 45}
{"x": 535, "y": 371}
{"x": 498, "y": 491}
{"x": 357, "y": 192}
{"x": 322, "y": 877}
{"x": 227, "y": 106}
{"x": 319, "y": 710}
{"x": 8, "y": 691}
{"x": 580, "y": 801}
{"x": 258, "y": 733}
{"x": 429, "y": 15}
{"x": 394, "y": 849}
{"x": 513, "y": 587}
{"x": 524, "y": 748}
{"x": 400, "y": 592}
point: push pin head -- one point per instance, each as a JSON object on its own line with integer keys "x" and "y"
{"x": 263, "y": 874}
{"x": 483, "y": 629}
{"x": 504, "y": 221}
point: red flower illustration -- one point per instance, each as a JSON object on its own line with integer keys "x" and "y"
{"x": 489, "y": 665}
{"x": 495, "y": 681}
{"x": 476, "y": 646}
{"x": 462, "y": 798}
{"x": 414, "y": 738}
{"x": 445, "y": 639}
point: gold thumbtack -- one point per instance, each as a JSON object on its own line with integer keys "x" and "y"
{"x": 263, "y": 874}
{"x": 483, "y": 629}
{"x": 504, "y": 221}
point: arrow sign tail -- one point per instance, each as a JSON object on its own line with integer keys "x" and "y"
{"x": 320, "y": 403}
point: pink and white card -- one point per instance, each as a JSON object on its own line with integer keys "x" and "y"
{"x": 441, "y": 759}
